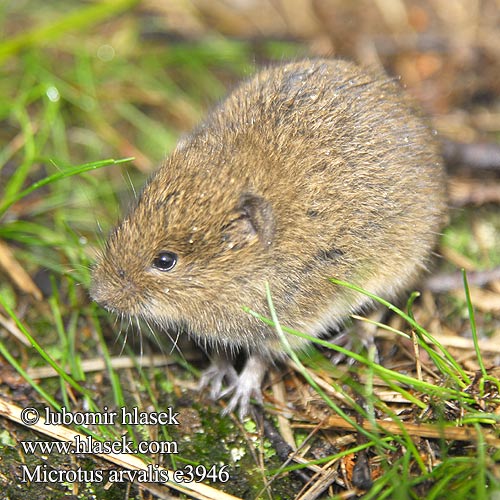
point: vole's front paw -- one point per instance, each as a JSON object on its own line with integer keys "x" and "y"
{"x": 220, "y": 370}
{"x": 240, "y": 387}
{"x": 248, "y": 386}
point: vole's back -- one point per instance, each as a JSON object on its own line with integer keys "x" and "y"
{"x": 309, "y": 170}
{"x": 351, "y": 172}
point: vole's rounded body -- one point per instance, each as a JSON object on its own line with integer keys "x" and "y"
{"x": 309, "y": 170}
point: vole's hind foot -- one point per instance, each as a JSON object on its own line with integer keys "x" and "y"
{"x": 241, "y": 388}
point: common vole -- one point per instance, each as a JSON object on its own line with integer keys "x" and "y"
{"x": 309, "y": 170}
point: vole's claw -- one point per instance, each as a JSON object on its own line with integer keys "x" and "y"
{"x": 213, "y": 377}
{"x": 240, "y": 400}
{"x": 241, "y": 387}
{"x": 248, "y": 386}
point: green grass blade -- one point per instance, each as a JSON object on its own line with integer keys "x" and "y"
{"x": 4, "y": 206}
{"x": 41, "y": 351}
{"x": 6, "y": 354}
{"x": 14, "y": 183}
{"x": 430, "y": 389}
{"x": 472, "y": 319}
{"x": 309, "y": 379}
{"x": 81, "y": 18}
{"x": 462, "y": 379}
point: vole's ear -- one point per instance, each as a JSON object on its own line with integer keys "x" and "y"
{"x": 254, "y": 221}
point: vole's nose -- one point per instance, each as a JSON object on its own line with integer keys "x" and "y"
{"x": 97, "y": 295}
{"x": 114, "y": 291}
{"x": 100, "y": 291}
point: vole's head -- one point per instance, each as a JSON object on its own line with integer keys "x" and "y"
{"x": 190, "y": 246}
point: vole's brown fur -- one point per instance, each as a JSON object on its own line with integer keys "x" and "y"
{"x": 309, "y": 170}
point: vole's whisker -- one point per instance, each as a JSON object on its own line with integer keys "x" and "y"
{"x": 154, "y": 335}
{"x": 175, "y": 342}
{"x": 141, "y": 346}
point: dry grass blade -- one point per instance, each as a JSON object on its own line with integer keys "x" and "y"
{"x": 16, "y": 272}
{"x": 483, "y": 300}
{"x": 431, "y": 431}
{"x": 12, "y": 328}
{"x": 472, "y": 192}
{"x": 443, "y": 282}
{"x": 320, "y": 482}
{"x": 130, "y": 462}
{"x": 279, "y": 393}
{"x": 486, "y": 346}
{"x": 98, "y": 364}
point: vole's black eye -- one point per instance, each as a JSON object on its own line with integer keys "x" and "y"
{"x": 165, "y": 261}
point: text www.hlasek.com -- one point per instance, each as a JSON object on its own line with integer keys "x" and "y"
{"x": 93, "y": 446}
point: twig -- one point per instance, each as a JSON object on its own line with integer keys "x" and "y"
{"x": 477, "y": 156}
{"x": 437, "y": 431}
{"x": 98, "y": 364}
{"x": 444, "y": 282}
